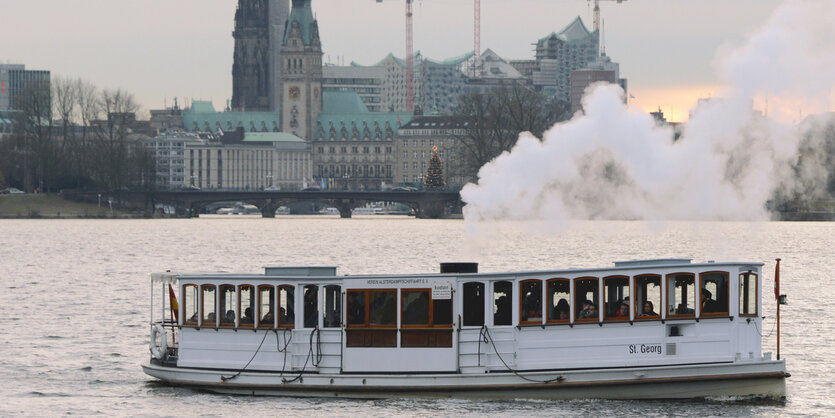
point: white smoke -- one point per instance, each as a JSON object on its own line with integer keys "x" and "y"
{"x": 614, "y": 162}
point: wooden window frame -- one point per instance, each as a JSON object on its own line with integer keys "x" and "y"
{"x": 241, "y": 311}
{"x": 278, "y": 306}
{"x": 661, "y": 299}
{"x": 726, "y": 312}
{"x": 403, "y": 293}
{"x": 234, "y": 296}
{"x": 273, "y": 305}
{"x": 549, "y": 319}
{"x": 203, "y": 304}
{"x": 367, "y": 318}
{"x": 196, "y": 304}
{"x": 521, "y": 302}
{"x": 607, "y": 318}
{"x": 597, "y": 302}
{"x": 756, "y": 279}
{"x": 667, "y": 298}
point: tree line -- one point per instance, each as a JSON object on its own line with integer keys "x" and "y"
{"x": 68, "y": 133}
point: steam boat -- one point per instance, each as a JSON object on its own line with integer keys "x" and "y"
{"x": 306, "y": 331}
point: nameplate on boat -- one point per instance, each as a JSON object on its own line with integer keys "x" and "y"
{"x": 441, "y": 291}
{"x": 645, "y": 349}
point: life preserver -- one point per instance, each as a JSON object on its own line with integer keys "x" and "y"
{"x": 158, "y": 351}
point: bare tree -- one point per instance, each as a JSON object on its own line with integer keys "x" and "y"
{"x": 112, "y": 138}
{"x": 498, "y": 116}
{"x": 34, "y": 130}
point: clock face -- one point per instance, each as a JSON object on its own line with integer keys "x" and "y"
{"x": 294, "y": 93}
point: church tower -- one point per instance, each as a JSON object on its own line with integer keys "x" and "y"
{"x": 259, "y": 32}
{"x": 301, "y": 72}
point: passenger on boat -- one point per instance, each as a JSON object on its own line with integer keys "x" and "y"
{"x": 531, "y": 307}
{"x": 268, "y": 319}
{"x": 649, "y": 310}
{"x": 709, "y": 305}
{"x": 623, "y": 311}
{"x": 683, "y": 309}
{"x": 211, "y": 318}
{"x": 248, "y": 319}
{"x": 502, "y": 315}
{"x": 230, "y": 317}
{"x": 585, "y": 313}
{"x": 311, "y": 314}
{"x": 561, "y": 310}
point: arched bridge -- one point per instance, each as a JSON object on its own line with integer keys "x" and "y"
{"x": 426, "y": 204}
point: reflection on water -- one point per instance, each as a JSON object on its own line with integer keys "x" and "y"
{"x": 75, "y": 297}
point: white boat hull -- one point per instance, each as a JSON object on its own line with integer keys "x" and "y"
{"x": 764, "y": 379}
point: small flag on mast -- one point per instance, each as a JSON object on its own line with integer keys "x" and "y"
{"x": 175, "y": 307}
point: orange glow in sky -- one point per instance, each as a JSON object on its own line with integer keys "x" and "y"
{"x": 674, "y": 101}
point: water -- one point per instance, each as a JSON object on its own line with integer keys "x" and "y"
{"x": 75, "y": 302}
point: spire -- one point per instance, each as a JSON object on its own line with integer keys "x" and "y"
{"x": 302, "y": 24}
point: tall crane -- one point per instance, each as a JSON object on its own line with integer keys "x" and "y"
{"x": 410, "y": 58}
{"x": 477, "y": 29}
{"x": 597, "y": 11}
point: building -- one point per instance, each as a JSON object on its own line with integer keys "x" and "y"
{"x": 169, "y": 151}
{"x": 560, "y": 53}
{"x": 256, "y": 70}
{"x": 301, "y": 74}
{"x": 17, "y": 86}
{"x": 169, "y": 119}
{"x": 601, "y": 69}
{"x": 367, "y": 82}
{"x": 417, "y": 139}
{"x": 202, "y": 117}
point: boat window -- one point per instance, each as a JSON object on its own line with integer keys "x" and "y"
{"x": 713, "y": 295}
{"x": 442, "y": 312}
{"x": 648, "y": 295}
{"x": 311, "y": 306}
{"x": 286, "y": 306}
{"x": 382, "y": 309}
{"x": 246, "y": 302}
{"x": 190, "y": 304}
{"x": 530, "y": 298}
{"x": 473, "y": 304}
{"x": 332, "y": 306}
{"x": 415, "y": 305}
{"x": 586, "y": 299}
{"x": 208, "y": 303}
{"x": 228, "y": 305}
{"x": 681, "y": 295}
{"x": 357, "y": 304}
{"x": 748, "y": 294}
{"x": 266, "y": 305}
{"x": 558, "y": 297}
{"x": 502, "y": 303}
{"x": 616, "y": 298}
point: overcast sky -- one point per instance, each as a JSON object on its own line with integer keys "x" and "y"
{"x": 161, "y": 49}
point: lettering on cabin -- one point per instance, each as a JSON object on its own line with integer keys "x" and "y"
{"x": 396, "y": 281}
{"x": 645, "y": 349}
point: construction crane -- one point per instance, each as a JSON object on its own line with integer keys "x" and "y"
{"x": 410, "y": 58}
{"x": 597, "y": 11}
{"x": 477, "y": 29}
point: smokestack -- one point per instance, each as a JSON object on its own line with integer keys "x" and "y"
{"x": 452, "y": 268}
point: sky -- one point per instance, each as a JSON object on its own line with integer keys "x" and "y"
{"x": 162, "y": 49}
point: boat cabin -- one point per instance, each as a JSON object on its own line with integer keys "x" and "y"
{"x": 311, "y": 320}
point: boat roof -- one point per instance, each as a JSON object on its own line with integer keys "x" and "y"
{"x": 298, "y": 272}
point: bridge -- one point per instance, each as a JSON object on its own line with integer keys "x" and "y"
{"x": 426, "y": 204}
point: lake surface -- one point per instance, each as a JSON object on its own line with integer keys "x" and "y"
{"x": 75, "y": 296}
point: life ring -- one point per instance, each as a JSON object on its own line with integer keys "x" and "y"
{"x": 158, "y": 351}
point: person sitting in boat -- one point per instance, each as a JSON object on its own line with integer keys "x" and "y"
{"x": 709, "y": 305}
{"x": 683, "y": 309}
{"x": 531, "y": 307}
{"x": 268, "y": 319}
{"x": 649, "y": 309}
{"x": 229, "y": 318}
{"x": 311, "y": 314}
{"x": 211, "y": 318}
{"x": 623, "y": 311}
{"x": 561, "y": 310}
{"x": 585, "y": 313}
{"x": 248, "y": 319}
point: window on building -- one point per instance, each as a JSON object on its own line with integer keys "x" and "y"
{"x": 530, "y": 302}
{"x": 748, "y": 294}
{"x": 586, "y": 299}
{"x": 713, "y": 290}
{"x": 558, "y": 295}
{"x": 681, "y": 295}
{"x": 502, "y": 303}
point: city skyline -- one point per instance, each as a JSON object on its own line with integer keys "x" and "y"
{"x": 184, "y": 49}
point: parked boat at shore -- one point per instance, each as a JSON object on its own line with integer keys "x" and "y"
{"x": 558, "y": 334}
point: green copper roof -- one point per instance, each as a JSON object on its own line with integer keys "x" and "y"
{"x": 271, "y": 137}
{"x": 203, "y": 117}
{"x": 420, "y": 58}
{"x": 372, "y": 120}
{"x": 342, "y": 102}
{"x": 302, "y": 12}
{"x": 574, "y": 31}
{"x": 199, "y": 106}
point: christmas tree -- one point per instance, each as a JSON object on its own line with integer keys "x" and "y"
{"x": 435, "y": 175}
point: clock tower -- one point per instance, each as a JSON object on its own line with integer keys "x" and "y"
{"x": 301, "y": 72}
